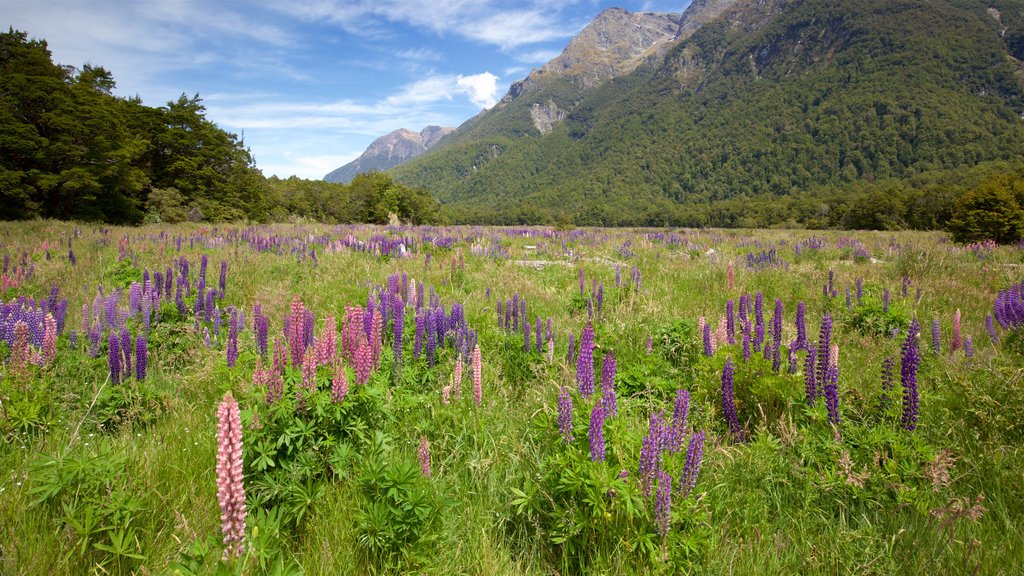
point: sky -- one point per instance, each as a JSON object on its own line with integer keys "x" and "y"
{"x": 309, "y": 84}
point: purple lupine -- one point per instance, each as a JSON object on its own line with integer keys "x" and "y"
{"x": 114, "y": 358}
{"x": 582, "y": 289}
{"x": 608, "y": 397}
{"x": 417, "y": 343}
{"x": 208, "y": 309}
{"x": 597, "y": 432}
{"x": 885, "y": 300}
{"x": 810, "y": 378}
{"x": 911, "y": 359}
{"x": 730, "y": 322}
{"x": 223, "y": 284}
{"x": 565, "y": 414}
{"x": 824, "y": 347}
{"x": 126, "y": 351}
{"x": 680, "y": 415}
{"x": 431, "y": 335}
{"x": 694, "y": 455}
{"x": 585, "y": 362}
{"x": 571, "y": 353}
{"x": 650, "y": 454}
{"x": 831, "y": 282}
{"x": 600, "y": 298}
{"x": 515, "y": 311}
{"x": 801, "y": 326}
{"x": 141, "y": 357}
{"x": 663, "y": 504}
{"x": 398, "y": 313}
{"x": 936, "y": 337}
{"x": 650, "y": 345}
{"x": 262, "y": 334}
{"x": 708, "y": 349}
{"x": 729, "y": 399}
{"x": 758, "y": 321}
{"x": 776, "y": 331}
{"x": 860, "y": 290}
{"x": 232, "y": 348}
{"x": 501, "y": 317}
{"x": 991, "y": 327}
{"x": 969, "y": 347}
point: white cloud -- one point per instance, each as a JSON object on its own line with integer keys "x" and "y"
{"x": 313, "y": 167}
{"x": 482, "y": 89}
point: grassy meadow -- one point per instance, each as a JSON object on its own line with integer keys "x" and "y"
{"x": 113, "y": 474}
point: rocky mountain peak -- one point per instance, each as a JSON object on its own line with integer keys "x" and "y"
{"x": 389, "y": 151}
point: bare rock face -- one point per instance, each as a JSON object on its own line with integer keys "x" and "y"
{"x": 546, "y": 116}
{"x": 389, "y": 151}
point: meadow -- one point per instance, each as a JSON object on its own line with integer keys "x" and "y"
{"x": 315, "y": 399}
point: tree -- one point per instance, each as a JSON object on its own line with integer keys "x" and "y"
{"x": 990, "y": 211}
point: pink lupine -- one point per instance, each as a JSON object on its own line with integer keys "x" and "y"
{"x": 424, "y": 456}
{"x": 446, "y": 394}
{"x": 309, "y": 371}
{"x": 296, "y": 322}
{"x": 477, "y": 390}
{"x": 49, "y": 339}
{"x": 363, "y": 361}
{"x": 327, "y": 344}
{"x": 732, "y": 278}
{"x": 700, "y": 325}
{"x": 551, "y": 351}
{"x": 339, "y": 387}
{"x": 230, "y": 488}
{"x": 350, "y": 332}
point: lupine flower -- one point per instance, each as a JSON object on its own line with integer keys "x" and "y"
{"x": 708, "y": 348}
{"x": 49, "y": 339}
{"x": 565, "y": 414}
{"x": 417, "y": 344}
{"x": 540, "y": 335}
{"x": 327, "y": 344}
{"x": 376, "y": 333}
{"x": 824, "y": 347}
{"x": 758, "y": 321}
{"x": 831, "y": 385}
{"x": 810, "y": 376}
{"x": 969, "y": 347}
{"x": 608, "y": 385}
{"x": 730, "y": 322}
{"x": 477, "y": 376}
{"x": 424, "y": 456}
{"x": 585, "y": 362}
{"x": 141, "y": 357}
{"x": 230, "y": 487}
{"x": 309, "y": 371}
{"x": 729, "y": 399}
{"x": 680, "y": 415}
{"x": 296, "y": 339}
{"x": 885, "y": 300}
{"x": 990, "y": 326}
{"x": 663, "y": 504}
{"x": 860, "y": 290}
{"x": 911, "y": 359}
{"x": 223, "y": 284}
{"x": 720, "y": 333}
{"x": 936, "y": 337}
{"x": 398, "y": 312}
{"x": 551, "y": 351}
{"x": 792, "y": 357}
{"x": 457, "y": 377}
{"x": 650, "y": 344}
{"x": 126, "y": 351}
{"x": 694, "y": 455}
{"x": 954, "y": 344}
{"x": 597, "y": 432}
{"x": 232, "y": 349}
{"x": 570, "y": 354}
{"x": 650, "y": 453}
{"x": 363, "y": 361}
{"x": 446, "y": 393}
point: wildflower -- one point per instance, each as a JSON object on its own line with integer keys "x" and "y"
{"x": 230, "y": 488}
{"x": 708, "y": 348}
{"x": 49, "y": 339}
{"x": 565, "y": 414}
{"x": 730, "y": 322}
{"x": 936, "y": 337}
{"x": 954, "y": 344}
{"x": 990, "y": 326}
{"x": 363, "y": 361}
{"x": 296, "y": 322}
{"x": 141, "y": 357}
{"x": 679, "y": 418}
{"x": 911, "y": 359}
{"x": 424, "y": 456}
{"x": 232, "y": 351}
{"x": 650, "y": 453}
{"x": 969, "y": 347}
{"x": 694, "y": 455}
{"x": 113, "y": 357}
{"x": 663, "y": 503}
{"x": 831, "y": 385}
{"x": 585, "y": 362}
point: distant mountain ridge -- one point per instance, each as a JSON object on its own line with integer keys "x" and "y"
{"x": 389, "y": 151}
{"x": 773, "y": 111}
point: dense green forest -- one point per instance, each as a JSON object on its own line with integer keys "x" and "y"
{"x": 70, "y": 149}
{"x": 785, "y": 113}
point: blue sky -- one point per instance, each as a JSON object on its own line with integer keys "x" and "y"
{"x": 310, "y": 83}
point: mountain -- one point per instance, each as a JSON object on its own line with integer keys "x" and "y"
{"x": 389, "y": 151}
{"x": 761, "y": 112}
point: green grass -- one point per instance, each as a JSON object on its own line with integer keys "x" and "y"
{"x": 506, "y": 494}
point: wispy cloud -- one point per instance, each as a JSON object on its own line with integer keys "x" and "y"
{"x": 487, "y": 22}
